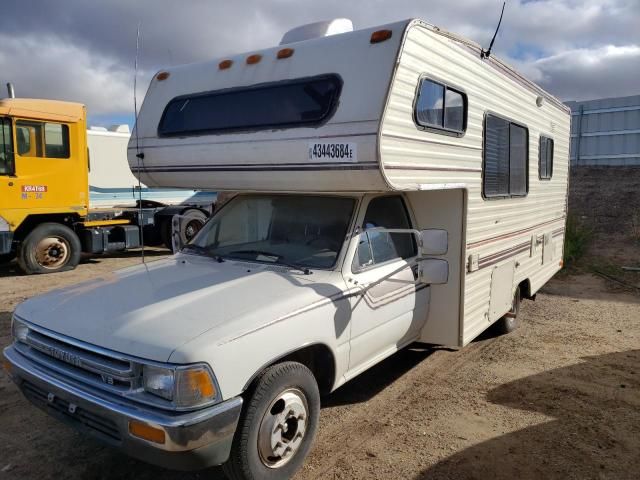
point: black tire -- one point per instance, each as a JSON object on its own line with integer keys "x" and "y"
{"x": 511, "y": 320}
{"x": 49, "y": 248}
{"x": 246, "y": 461}
{"x": 189, "y": 227}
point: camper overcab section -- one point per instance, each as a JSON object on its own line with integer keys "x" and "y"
{"x": 392, "y": 186}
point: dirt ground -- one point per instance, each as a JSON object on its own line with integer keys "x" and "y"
{"x": 559, "y": 398}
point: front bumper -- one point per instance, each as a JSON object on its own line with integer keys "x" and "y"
{"x": 193, "y": 440}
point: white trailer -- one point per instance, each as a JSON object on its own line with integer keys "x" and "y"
{"x": 395, "y": 186}
{"x": 111, "y": 183}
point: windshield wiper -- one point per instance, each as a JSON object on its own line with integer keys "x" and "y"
{"x": 257, "y": 253}
{"x": 203, "y": 251}
{"x": 278, "y": 259}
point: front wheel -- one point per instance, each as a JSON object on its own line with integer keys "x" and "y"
{"x": 49, "y": 248}
{"x": 277, "y": 426}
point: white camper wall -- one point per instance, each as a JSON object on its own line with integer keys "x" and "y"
{"x": 498, "y": 231}
{"x": 443, "y": 209}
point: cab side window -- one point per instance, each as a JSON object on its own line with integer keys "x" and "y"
{"x": 379, "y": 247}
{"x": 6, "y": 148}
{"x": 42, "y": 139}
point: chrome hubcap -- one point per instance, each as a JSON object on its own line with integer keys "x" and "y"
{"x": 282, "y": 428}
{"x": 52, "y": 252}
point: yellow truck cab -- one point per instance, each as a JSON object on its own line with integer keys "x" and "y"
{"x": 45, "y": 217}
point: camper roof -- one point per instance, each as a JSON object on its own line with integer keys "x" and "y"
{"x": 304, "y": 116}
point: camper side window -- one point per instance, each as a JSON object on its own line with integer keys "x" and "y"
{"x": 545, "y": 157}
{"x": 506, "y": 158}
{"x": 440, "y": 107}
{"x": 377, "y": 247}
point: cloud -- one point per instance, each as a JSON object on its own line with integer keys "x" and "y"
{"x": 84, "y": 51}
{"x": 584, "y": 74}
{"x": 53, "y": 68}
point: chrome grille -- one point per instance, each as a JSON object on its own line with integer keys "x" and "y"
{"x": 109, "y": 373}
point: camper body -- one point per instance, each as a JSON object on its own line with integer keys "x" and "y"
{"x": 65, "y": 190}
{"x": 397, "y": 194}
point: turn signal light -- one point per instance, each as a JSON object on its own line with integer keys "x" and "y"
{"x": 223, "y": 65}
{"x": 253, "y": 59}
{"x": 146, "y": 432}
{"x": 285, "y": 53}
{"x": 198, "y": 383}
{"x": 561, "y": 263}
{"x": 162, "y": 76}
{"x": 381, "y": 36}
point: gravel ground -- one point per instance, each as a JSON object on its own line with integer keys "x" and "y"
{"x": 558, "y": 398}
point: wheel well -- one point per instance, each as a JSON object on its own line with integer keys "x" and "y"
{"x": 318, "y": 358}
{"x": 525, "y": 289}
{"x": 32, "y": 221}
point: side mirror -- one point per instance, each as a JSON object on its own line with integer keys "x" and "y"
{"x": 433, "y": 271}
{"x": 434, "y": 242}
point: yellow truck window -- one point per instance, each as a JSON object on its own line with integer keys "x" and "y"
{"x": 6, "y": 150}
{"x": 42, "y": 139}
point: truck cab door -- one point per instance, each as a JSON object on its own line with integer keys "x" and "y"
{"x": 50, "y": 167}
{"x": 391, "y": 308}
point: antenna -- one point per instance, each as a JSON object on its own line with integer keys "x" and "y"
{"x": 487, "y": 53}
{"x": 139, "y": 155}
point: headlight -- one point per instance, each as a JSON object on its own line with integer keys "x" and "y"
{"x": 19, "y": 330}
{"x": 189, "y": 386}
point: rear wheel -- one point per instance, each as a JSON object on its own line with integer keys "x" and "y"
{"x": 50, "y": 247}
{"x": 277, "y": 426}
{"x": 190, "y": 225}
{"x": 510, "y": 321}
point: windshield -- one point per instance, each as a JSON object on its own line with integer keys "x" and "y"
{"x": 305, "y": 231}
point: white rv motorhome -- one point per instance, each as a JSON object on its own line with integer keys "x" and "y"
{"x": 395, "y": 186}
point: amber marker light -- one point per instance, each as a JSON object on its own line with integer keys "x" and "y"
{"x": 285, "y": 53}
{"x": 381, "y": 36}
{"x": 146, "y": 432}
{"x": 162, "y": 76}
{"x": 199, "y": 384}
{"x": 253, "y": 59}
{"x": 223, "y": 65}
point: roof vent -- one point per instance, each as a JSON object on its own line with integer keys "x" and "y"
{"x": 317, "y": 30}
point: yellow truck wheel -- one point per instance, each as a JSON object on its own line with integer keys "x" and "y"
{"x": 49, "y": 248}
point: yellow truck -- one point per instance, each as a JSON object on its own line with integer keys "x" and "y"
{"x": 46, "y": 219}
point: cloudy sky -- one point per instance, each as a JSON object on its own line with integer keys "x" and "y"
{"x": 84, "y": 50}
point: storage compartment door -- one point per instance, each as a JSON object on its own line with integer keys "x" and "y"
{"x": 501, "y": 291}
